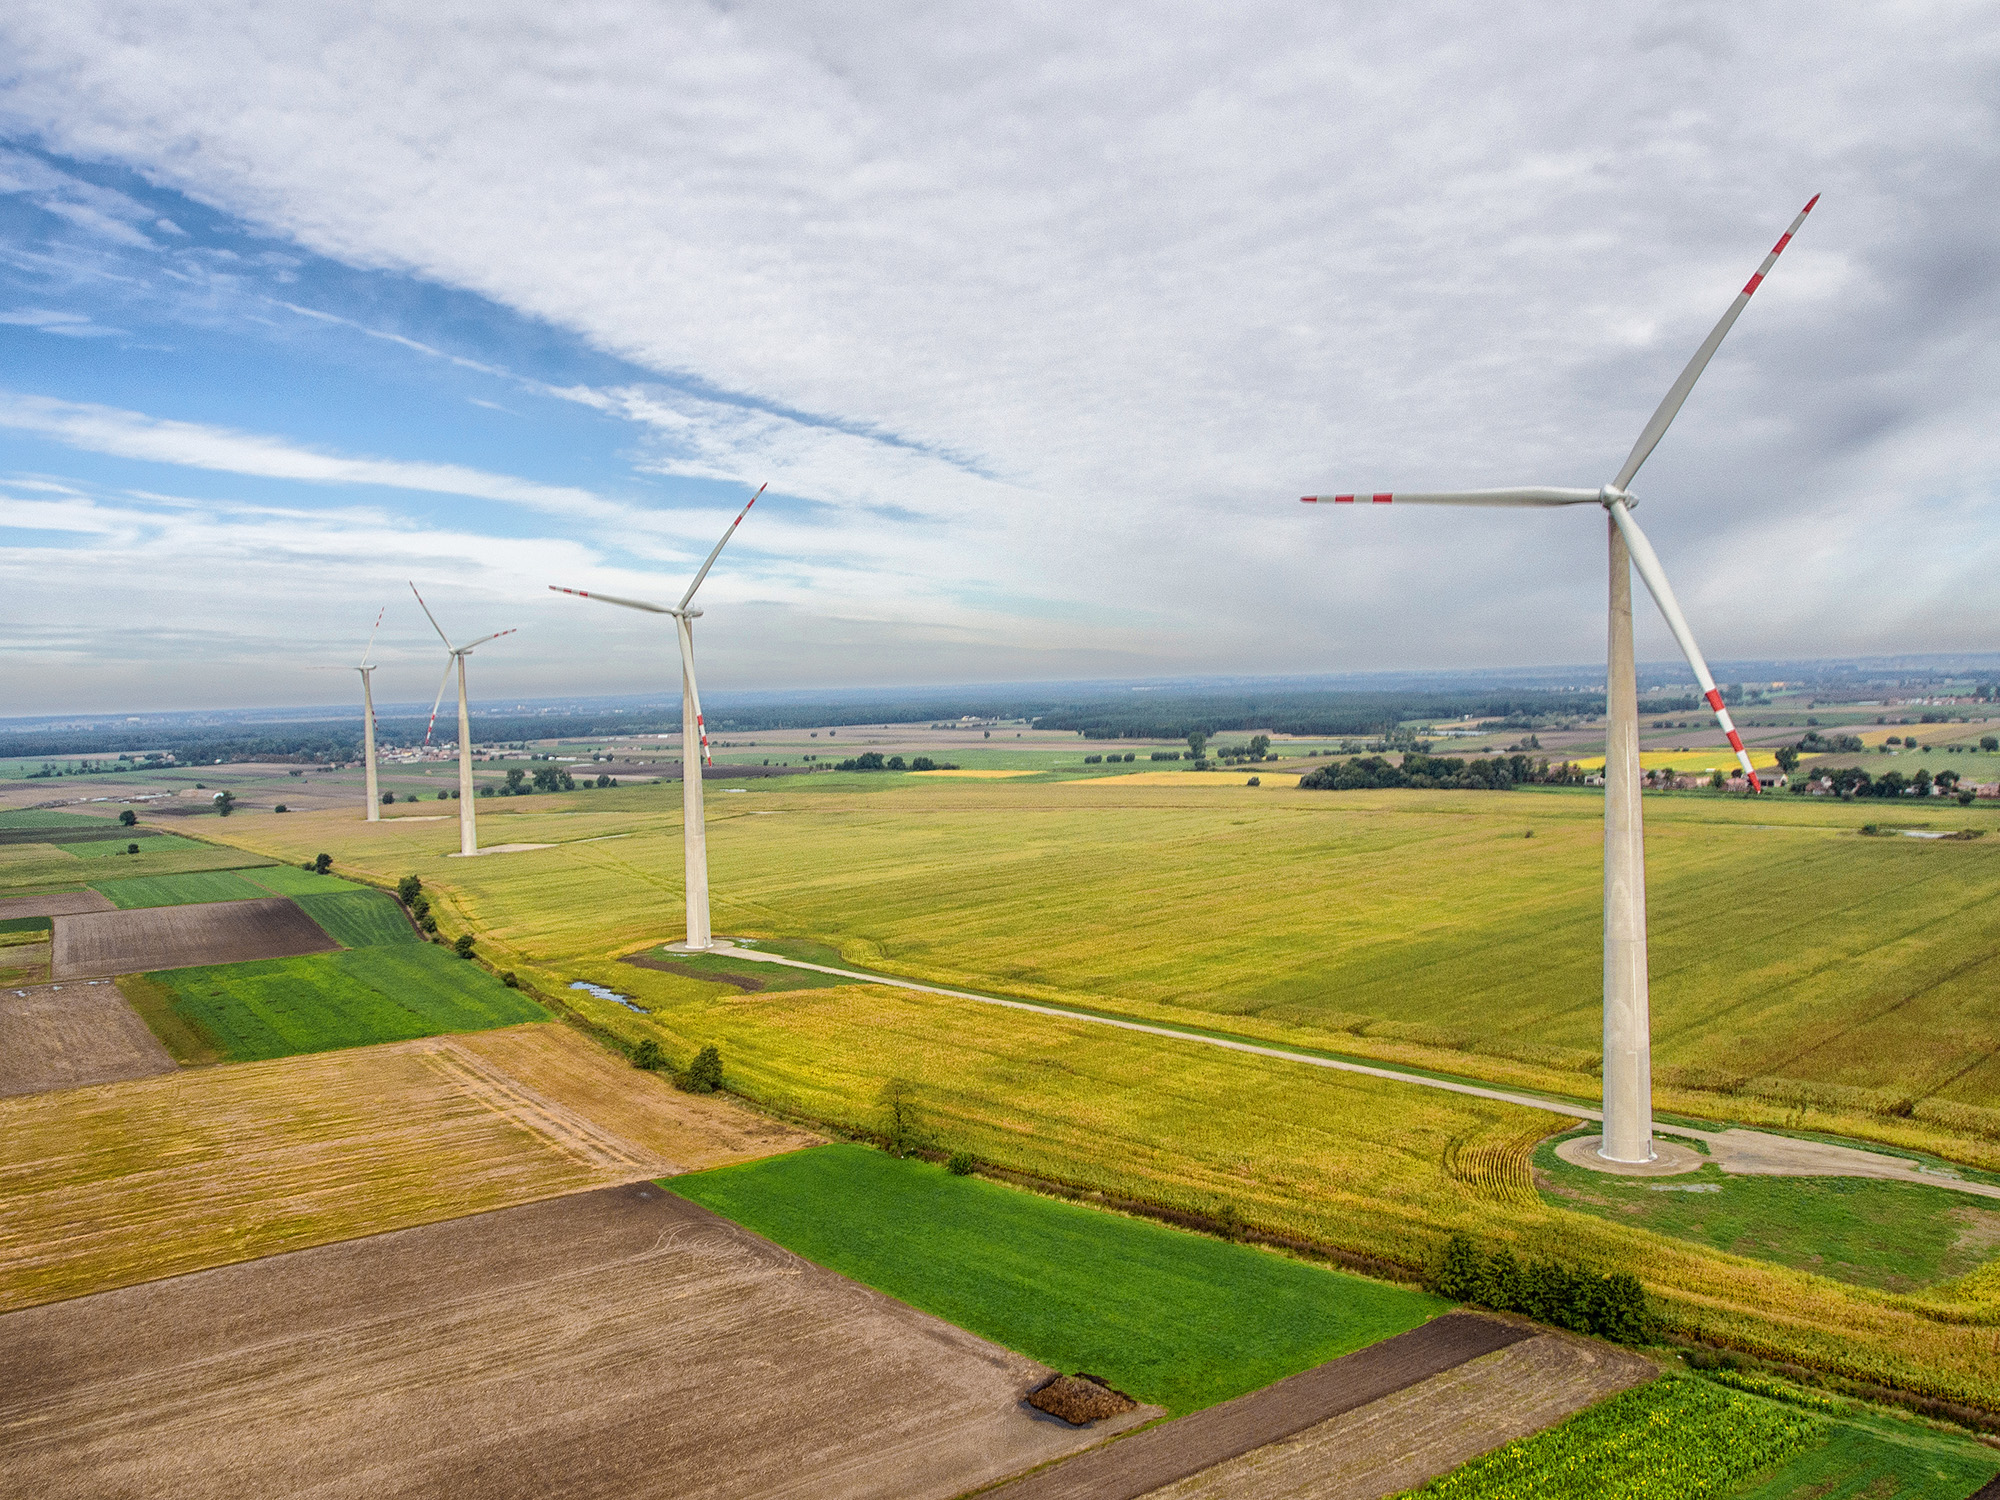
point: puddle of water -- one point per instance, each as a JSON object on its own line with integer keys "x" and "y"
{"x": 601, "y": 993}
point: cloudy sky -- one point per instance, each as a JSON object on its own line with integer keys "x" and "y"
{"x": 1036, "y": 318}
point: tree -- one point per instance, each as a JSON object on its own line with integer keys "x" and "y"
{"x": 516, "y": 782}
{"x": 225, "y": 803}
{"x": 1260, "y": 746}
{"x": 127, "y": 818}
{"x": 1197, "y": 742}
{"x": 1457, "y": 1271}
{"x": 899, "y": 1103}
{"x": 649, "y": 1056}
{"x": 704, "y": 1074}
{"x": 322, "y": 863}
{"x": 1989, "y": 743}
{"x": 463, "y": 945}
{"x": 131, "y": 848}
{"x": 1788, "y": 759}
{"x": 281, "y": 808}
{"x": 387, "y": 798}
{"x": 407, "y": 888}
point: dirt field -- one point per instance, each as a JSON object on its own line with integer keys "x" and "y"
{"x": 121, "y": 1183}
{"x": 64, "y": 904}
{"x": 69, "y": 1035}
{"x": 615, "y": 1343}
{"x": 1190, "y": 1445}
{"x": 179, "y": 937}
{"x": 1406, "y": 1439}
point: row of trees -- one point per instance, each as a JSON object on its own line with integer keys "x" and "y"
{"x": 1852, "y": 781}
{"x": 873, "y": 760}
{"x": 1610, "y": 1307}
{"x": 1497, "y": 773}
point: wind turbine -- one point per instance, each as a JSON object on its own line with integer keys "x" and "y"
{"x": 1628, "y": 1075}
{"x": 366, "y": 669}
{"x": 468, "y": 828}
{"x": 694, "y": 730}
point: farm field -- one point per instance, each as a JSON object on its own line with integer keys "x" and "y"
{"x": 1404, "y": 925}
{"x": 281, "y": 1007}
{"x": 1364, "y": 1166}
{"x": 128, "y": 1182}
{"x": 174, "y": 937}
{"x": 180, "y": 889}
{"x": 544, "y": 1371}
{"x": 1176, "y": 1319}
{"x": 1895, "y": 1236}
{"x": 47, "y": 867}
{"x": 61, "y": 1037}
{"x": 1685, "y": 1436}
{"x": 1426, "y": 1429}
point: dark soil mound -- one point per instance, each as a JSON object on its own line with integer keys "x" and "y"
{"x": 1079, "y": 1399}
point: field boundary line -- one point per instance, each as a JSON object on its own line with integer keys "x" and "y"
{"x": 571, "y": 1133}
{"x": 1736, "y": 1150}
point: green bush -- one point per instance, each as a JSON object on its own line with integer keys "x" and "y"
{"x": 510, "y": 981}
{"x": 127, "y": 818}
{"x": 407, "y": 889}
{"x": 704, "y": 1074}
{"x": 1611, "y": 1307}
{"x": 322, "y": 863}
{"x": 648, "y": 1056}
{"x": 463, "y": 946}
{"x": 960, "y": 1164}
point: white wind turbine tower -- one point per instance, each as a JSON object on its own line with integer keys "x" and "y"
{"x": 366, "y": 669}
{"x": 1628, "y": 1079}
{"x": 694, "y": 730}
{"x": 468, "y": 828}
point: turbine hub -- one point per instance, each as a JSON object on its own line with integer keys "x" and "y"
{"x": 1606, "y": 494}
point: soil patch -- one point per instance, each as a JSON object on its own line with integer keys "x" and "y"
{"x": 687, "y": 971}
{"x": 1080, "y": 1399}
{"x": 1173, "y": 1451}
{"x": 62, "y": 904}
{"x": 619, "y": 1343}
{"x": 67, "y": 1035}
{"x": 180, "y": 937}
{"x": 1427, "y": 1429}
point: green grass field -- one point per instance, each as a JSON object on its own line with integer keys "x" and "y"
{"x": 178, "y": 890}
{"x": 1876, "y": 1458}
{"x": 52, "y": 818}
{"x": 150, "y": 845}
{"x": 289, "y": 880}
{"x": 359, "y": 918}
{"x": 1172, "y": 1318}
{"x": 283, "y": 1006}
{"x": 1895, "y": 1236}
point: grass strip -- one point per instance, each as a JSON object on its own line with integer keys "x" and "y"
{"x": 1169, "y": 1317}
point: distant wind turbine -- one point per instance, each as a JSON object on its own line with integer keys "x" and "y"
{"x": 468, "y": 828}
{"x": 1628, "y": 1068}
{"x": 366, "y": 669}
{"x": 694, "y": 730}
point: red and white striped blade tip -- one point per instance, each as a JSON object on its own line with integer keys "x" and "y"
{"x": 1382, "y": 498}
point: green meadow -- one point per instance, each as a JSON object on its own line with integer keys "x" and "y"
{"x": 1171, "y": 1318}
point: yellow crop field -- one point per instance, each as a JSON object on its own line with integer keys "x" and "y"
{"x": 101, "y": 1187}
{"x": 1803, "y": 974}
{"x": 1688, "y": 762}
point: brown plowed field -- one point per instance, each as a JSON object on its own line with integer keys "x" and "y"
{"x": 119, "y": 1183}
{"x": 1428, "y": 1429}
{"x": 1151, "y": 1460}
{"x": 621, "y": 1343}
{"x": 62, "y": 904}
{"x": 65, "y": 1036}
{"x": 179, "y": 937}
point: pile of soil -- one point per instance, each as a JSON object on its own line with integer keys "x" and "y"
{"x": 1079, "y": 1399}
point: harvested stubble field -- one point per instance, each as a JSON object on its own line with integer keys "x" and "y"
{"x": 1399, "y": 912}
{"x": 613, "y": 1344}
{"x": 179, "y": 937}
{"x": 67, "y": 1036}
{"x": 102, "y": 1187}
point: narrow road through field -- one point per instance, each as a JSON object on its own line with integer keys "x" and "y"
{"x": 1749, "y": 1152}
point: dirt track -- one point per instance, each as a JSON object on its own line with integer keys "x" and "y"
{"x": 179, "y": 937}
{"x": 1408, "y": 1438}
{"x": 66, "y": 1036}
{"x": 1151, "y": 1460}
{"x": 616, "y": 1343}
{"x": 58, "y": 905}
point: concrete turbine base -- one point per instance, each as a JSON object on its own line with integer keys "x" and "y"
{"x": 1668, "y": 1160}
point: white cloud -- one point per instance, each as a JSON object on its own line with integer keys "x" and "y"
{"x": 1050, "y": 312}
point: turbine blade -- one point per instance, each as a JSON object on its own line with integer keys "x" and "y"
{"x": 721, "y": 544}
{"x": 1538, "y": 495}
{"x": 443, "y": 682}
{"x": 371, "y": 636}
{"x": 658, "y": 609}
{"x": 1647, "y": 561}
{"x": 1670, "y": 408}
{"x": 485, "y": 638}
{"x": 686, "y": 633}
{"x": 432, "y": 618}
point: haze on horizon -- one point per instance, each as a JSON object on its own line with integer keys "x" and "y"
{"x": 1036, "y": 322}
